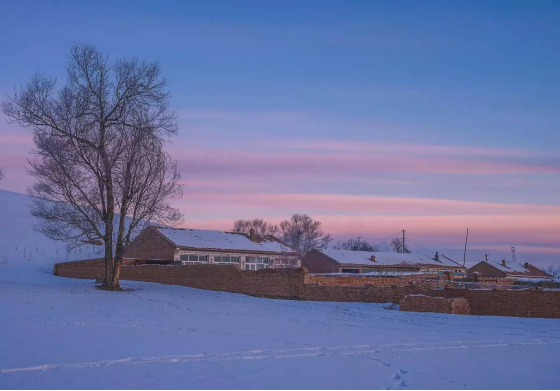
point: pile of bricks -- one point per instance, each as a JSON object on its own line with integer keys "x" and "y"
{"x": 422, "y": 303}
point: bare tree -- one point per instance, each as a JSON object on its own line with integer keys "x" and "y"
{"x": 99, "y": 162}
{"x": 259, "y": 226}
{"x": 303, "y": 234}
{"x": 397, "y": 246}
{"x": 355, "y": 245}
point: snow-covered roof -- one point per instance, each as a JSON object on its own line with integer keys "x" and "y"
{"x": 520, "y": 269}
{"x": 220, "y": 240}
{"x": 510, "y": 267}
{"x": 385, "y": 258}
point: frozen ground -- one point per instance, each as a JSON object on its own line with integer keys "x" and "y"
{"x": 62, "y": 333}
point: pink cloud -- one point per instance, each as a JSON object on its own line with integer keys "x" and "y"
{"x": 226, "y": 162}
{"x": 340, "y": 203}
{"x": 386, "y": 148}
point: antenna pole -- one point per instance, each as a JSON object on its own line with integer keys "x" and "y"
{"x": 465, "y": 253}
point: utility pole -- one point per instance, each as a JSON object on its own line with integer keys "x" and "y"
{"x": 465, "y": 253}
{"x": 403, "y": 231}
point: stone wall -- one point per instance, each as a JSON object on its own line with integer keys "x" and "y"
{"x": 422, "y": 303}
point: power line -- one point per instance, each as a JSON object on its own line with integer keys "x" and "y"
{"x": 418, "y": 244}
{"x": 397, "y": 234}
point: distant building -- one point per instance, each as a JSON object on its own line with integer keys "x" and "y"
{"x": 157, "y": 245}
{"x": 345, "y": 261}
{"x": 505, "y": 269}
{"x": 554, "y": 272}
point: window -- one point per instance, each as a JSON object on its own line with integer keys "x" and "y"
{"x": 266, "y": 261}
{"x": 193, "y": 259}
{"x": 355, "y": 271}
{"x": 257, "y": 263}
{"x": 227, "y": 260}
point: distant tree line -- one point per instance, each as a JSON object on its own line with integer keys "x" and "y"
{"x": 355, "y": 245}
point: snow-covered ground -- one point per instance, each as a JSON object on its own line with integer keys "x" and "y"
{"x": 62, "y": 333}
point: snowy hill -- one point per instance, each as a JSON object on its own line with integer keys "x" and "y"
{"x": 20, "y": 243}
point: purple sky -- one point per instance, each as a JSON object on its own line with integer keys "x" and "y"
{"x": 371, "y": 117}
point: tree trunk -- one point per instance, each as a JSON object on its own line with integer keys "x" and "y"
{"x": 115, "y": 286}
{"x": 119, "y": 255}
{"x": 108, "y": 261}
{"x": 110, "y": 217}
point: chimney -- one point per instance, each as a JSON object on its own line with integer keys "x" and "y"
{"x": 526, "y": 265}
{"x": 251, "y": 233}
{"x": 436, "y": 258}
{"x": 372, "y": 258}
{"x": 503, "y": 262}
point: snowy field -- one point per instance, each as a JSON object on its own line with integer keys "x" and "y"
{"x": 62, "y": 333}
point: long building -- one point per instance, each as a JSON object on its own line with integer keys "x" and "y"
{"x": 196, "y": 247}
{"x": 345, "y": 261}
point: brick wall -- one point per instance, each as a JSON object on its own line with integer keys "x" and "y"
{"x": 520, "y": 303}
{"x": 317, "y": 262}
{"x": 363, "y": 293}
{"x": 422, "y": 303}
{"x": 150, "y": 244}
{"x": 285, "y": 283}
{"x": 370, "y": 280}
{"x": 297, "y": 284}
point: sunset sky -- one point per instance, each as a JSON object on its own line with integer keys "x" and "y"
{"x": 370, "y": 116}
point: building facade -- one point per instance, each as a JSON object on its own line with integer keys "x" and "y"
{"x": 156, "y": 245}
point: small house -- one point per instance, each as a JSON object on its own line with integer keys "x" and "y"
{"x": 505, "y": 269}
{"x": 183, "y": 246}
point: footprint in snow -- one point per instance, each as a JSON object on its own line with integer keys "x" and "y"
{"x": 396, "y": 376}
{"x": 402, "y": 383}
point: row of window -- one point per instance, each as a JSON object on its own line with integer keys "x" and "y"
{"x": 266, "y": 261}
{"x": 193, "y": 259}
{"x": 227, "y": 259}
